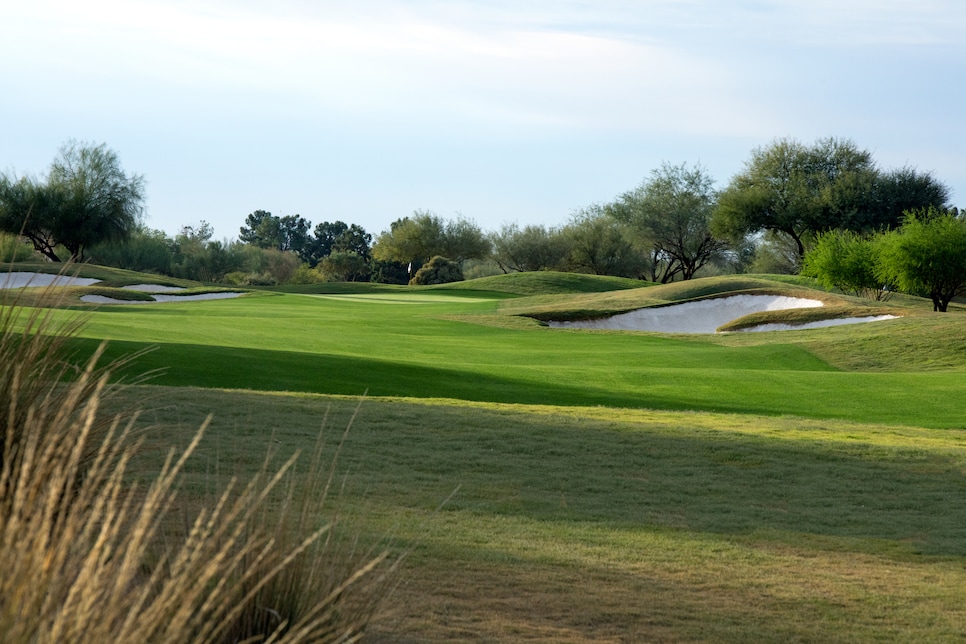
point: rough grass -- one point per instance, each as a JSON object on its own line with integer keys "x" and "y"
{"x": 588, "y": 524}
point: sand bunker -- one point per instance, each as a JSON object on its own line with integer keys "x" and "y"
{"x": 101, "y": 299}
{"x": 21, "y": 280}
{"x": 819, "y": 323}
{"x": 705, "y": 316}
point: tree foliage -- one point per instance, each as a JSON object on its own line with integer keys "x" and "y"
{"x": 439, "y": 270}
{"x": 532, "y": 248}
{"x": 599, "y": 244}
{"x": 927, "y": 254}
{"x": 671, "y": 211}
{"x": 146, "y": 250}
{"x": 344, "y": 266}
{"x": 425, "y": 235}
{"x": 846, "y": 261}
{"x": 86, "y": 199}
{"x": 265, "y": 230}
{"x": 801, "y": 191}
{"x": 337, "y": 236}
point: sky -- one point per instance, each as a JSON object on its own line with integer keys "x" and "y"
{"x": 498, "y": 111}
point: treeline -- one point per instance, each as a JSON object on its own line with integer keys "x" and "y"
{"x": 674, "y": 226}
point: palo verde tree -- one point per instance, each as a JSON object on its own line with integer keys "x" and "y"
{"x": 927, "y": 255}
{"x": 87, "y": 199}
{"x": 671, "y": 211}
{"x": 846, "y": 260}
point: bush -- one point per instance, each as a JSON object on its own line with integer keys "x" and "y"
{"x": 13, "y": 249}
{"x": 83, "y": 556}
{"x": 439, "y": 270}
{"x": 846, "y": 261}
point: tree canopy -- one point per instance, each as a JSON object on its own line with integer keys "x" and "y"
{"x": 425, "y": 235}
{"x": 927, "y": 254}
{"x": 531, "y": 248}
{"x": 672, "y": 211}
{"x": 599, "y": 244}
{"x": 845, "y": 260}
{"x": 87, "y": 199}
{"x": 800, "y": 191}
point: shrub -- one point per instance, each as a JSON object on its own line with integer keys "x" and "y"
{"x": 846, "y": 261}
{"x": 439, "y": 270}
{"x": 13, "y": 249}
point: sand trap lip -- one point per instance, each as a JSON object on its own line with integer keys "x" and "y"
{"x": 153, "y": 288}
{"x": 702, "y": 316}
{"x": 32, "y": 280}
{"x": 818, "y": 324}
{"x": 101, "y": 299}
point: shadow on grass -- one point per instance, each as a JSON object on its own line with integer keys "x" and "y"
{"x": 572, "y": 472}
{"x": 885, "y": 398}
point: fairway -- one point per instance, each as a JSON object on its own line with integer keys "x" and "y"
{"x": 581, "y": 485}
{"x": 435, "y": 345}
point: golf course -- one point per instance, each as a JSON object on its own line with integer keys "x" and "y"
{"x": 571, "y": 484}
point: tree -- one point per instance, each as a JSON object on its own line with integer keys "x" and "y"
{"x": 600, "y": 245}
{"x": 337, "y": 236}
{"x": 265, "y": 230}
{"x": 29, "y": 208}
{"x": 846, "y": 261}
{"x": 464, "y": 240}
{"x": 425, "y": 235}
{"x": 87, "y": 199}
{"x": 927, "y": 254}
{"x": 901, "y": 191}
{"x": 672, "y": 212}
{"x": 798, "y": 190}
{"x": 533, "y": 248}
{"x": 344, "y": 266}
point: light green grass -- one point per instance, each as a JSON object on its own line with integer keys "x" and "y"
{"x": 428, "y": 344}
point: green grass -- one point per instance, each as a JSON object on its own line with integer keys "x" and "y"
{"x": 785, "y": 486}
{"x": 580, "y": 524}
{"x": 430, "y": 344}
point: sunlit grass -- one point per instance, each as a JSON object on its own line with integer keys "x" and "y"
{"x": 677, "y": 525}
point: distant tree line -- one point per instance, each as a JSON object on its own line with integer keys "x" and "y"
{"x": 825, "y": 208}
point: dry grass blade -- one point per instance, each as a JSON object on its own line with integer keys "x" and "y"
{"x": 83, "y": 557}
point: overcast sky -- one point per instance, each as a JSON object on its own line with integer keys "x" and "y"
{"x": 501, "y": 110}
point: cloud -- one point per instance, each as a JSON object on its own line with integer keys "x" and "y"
{"x": 467, "y": 63}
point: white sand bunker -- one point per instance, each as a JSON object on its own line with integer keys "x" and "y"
{"x": 818, "y": 324}
{"x": 705, "y": 316}
{"x": 25, "y": 279}
{"x": 101, "y": 299}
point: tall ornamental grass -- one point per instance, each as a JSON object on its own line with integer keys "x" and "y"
{"x": 88, "y": 556}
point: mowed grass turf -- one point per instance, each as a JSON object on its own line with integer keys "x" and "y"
{"x": 613, "y": 500}
{"x": 431, "y": 344}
